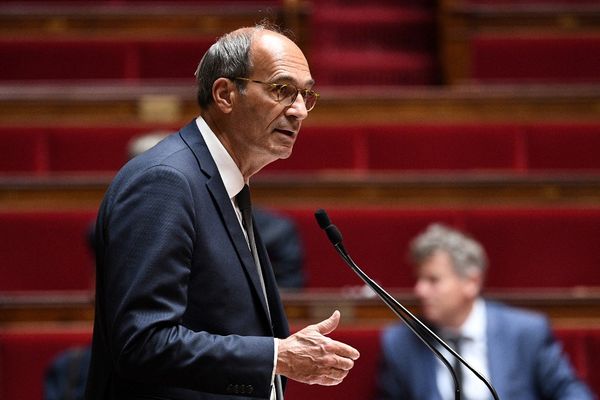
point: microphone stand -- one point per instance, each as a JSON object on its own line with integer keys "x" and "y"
{"x": 413, "y": 323}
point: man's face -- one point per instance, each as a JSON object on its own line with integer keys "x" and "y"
{"x": 267, "y": 129}
{"x": 446, "y": 298}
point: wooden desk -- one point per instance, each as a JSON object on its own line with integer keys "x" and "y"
{"x": 359, "y": 308}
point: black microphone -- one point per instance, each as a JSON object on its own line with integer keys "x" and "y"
{"x": 422, "y": 331}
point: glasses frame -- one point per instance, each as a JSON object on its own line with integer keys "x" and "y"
{"x": 279, "y": 86}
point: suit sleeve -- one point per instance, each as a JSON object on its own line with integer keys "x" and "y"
{"x": 390, "y": 382}
{"x": 148, "y": 238}
{"x": 555, "y": 375}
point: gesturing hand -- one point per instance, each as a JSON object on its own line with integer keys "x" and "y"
{"x": 309, "y": 356}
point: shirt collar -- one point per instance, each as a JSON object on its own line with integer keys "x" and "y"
{"x": 230, "y": 173}
{"x": 474, "y": 327}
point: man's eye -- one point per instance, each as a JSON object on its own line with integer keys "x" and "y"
{"x": 286, "y": 91}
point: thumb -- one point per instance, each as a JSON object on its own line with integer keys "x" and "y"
{"x": 328, "y": 325}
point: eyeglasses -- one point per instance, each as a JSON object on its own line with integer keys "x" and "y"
{"x": 287, "y": 93}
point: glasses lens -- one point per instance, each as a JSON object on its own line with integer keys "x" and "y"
{"x": 286, "y": 93}
{"x": 310, "y": 99}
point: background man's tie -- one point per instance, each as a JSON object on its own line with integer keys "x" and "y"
{"x": 455, "y": 341}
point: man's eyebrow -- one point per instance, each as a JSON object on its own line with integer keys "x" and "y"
{"x": 287, "y": 79}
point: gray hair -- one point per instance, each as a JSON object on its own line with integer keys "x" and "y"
{"x": 465, "y": 252}
{"x": 229, "y": 57}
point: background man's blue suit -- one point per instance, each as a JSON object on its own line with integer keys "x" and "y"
{"x": 180, "y": 310}
{"x": 524, "y": 361}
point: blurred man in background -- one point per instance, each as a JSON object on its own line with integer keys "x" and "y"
{"x": 515, "y": 349}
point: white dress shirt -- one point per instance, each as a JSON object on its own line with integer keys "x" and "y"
{"x": 474, "y": 351}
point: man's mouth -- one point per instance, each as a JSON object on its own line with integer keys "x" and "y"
{"x": 286, "y": 132}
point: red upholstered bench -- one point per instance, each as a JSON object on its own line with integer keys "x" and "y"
{"x": 91, "y": 149}
{"x": 25, "y": 355}
{"x": 375, "y": 238}
{"x": 422, "y": 147}
{"x": 583, "y": 347}
{"x": 542, "y": 58}
{"x": 323, "y": 148}
{"x": 485, "y": 147}
{"x": 538, "y": 247}
{"x": 22, "y": 150}
{"x": 527, "y": 247}
{"x": 68, "y": 149}
{"x": 45, "y": 251}
{"x": 563, "y": 146}
{"x": 97, "y": 59}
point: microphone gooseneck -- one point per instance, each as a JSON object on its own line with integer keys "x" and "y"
{"x": 422, "y": 331}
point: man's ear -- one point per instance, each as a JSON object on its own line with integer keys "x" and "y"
{"x": 223, "y": 92}
{"x": 474, "y": 283}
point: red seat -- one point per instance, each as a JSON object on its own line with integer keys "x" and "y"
{"x": 39, "y": 59}
{"x": 25, "y": 355}
{"x": 550, "y": 58}
{"x": 444, "y": 147}
{"x": 323, "y": 148}
{"x": 45, "y": 251}
{"x": 583, "y": 348}
{"x": 23, "y": 150}
{"x": 528, "y": 248}
{"x": 97, "y": 59}
{"x": 90, "y": 149}
{"x": 538, "y": 247}
{"x": 566, "y": 146}
{"x": 376, "y": 239}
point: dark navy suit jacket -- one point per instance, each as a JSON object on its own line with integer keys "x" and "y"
{"x": 179, "y": 308}
{"x": 524, "y": 361}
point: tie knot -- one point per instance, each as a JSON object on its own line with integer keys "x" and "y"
{"x": 243, "y": 198}
{"x": 454, "y": 339}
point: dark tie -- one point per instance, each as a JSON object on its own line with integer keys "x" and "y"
{"x": 455, "y": 341}
{"x": 245, "y": 205}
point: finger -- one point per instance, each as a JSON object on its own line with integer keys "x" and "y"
{"x": 327, "y": 326}
{"x": 341, "y": 363}
{"x": 343, "y": 350}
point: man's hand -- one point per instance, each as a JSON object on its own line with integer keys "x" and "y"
{"x": 309, "y": 356}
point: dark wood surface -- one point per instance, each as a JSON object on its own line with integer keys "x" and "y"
{"x": 358, "y": 305}
{"x": 367, "y": 190}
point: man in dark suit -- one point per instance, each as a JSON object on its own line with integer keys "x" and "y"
{"x": 514, "y": 348}
{"x": 186, "y": 302}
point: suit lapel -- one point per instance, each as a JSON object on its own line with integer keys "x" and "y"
{"x": 191, "y": 135}
{"x": 495, "y": 349}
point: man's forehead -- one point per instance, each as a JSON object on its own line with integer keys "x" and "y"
{"x": 279, "y": 56}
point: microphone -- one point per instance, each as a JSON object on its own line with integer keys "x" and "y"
{"x": 422, "y": 331}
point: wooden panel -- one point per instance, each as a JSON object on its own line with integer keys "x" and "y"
{"x": 176, "y": 104}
